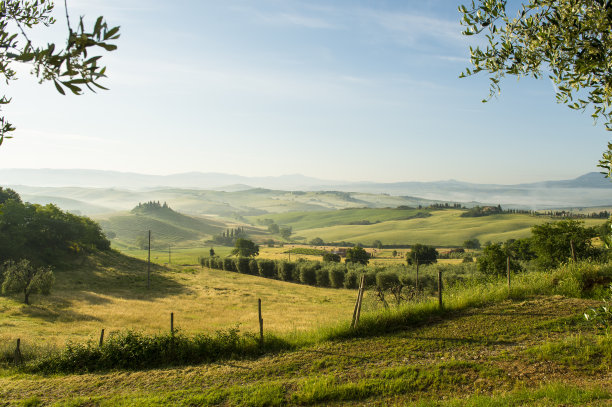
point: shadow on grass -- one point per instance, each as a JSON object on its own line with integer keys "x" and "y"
{"x": 56, "y": 315}
{"x": 110, "y": 273}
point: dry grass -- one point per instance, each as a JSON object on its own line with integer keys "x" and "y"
{"x": 95, "y": 296}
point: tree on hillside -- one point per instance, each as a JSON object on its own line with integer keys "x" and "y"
{"x": 377, "y": 244}
{"x": 245, "y": 248}
{"x": 568, "y": 41}
{"x": 552, "y": 242}
{"x": 422, "y": 254}
{"x": 23, "y": 277}
{"x": 285, "y": 232}
{"x": 44, "y": 234}
{"x": 68, "y": 68}
{"x": 317, "y": 241}
{"x": 472, "y": 244}
{"x": 212, "y": 252}
{"x": 357, "y": 255}
{"x": 331, "y": 257}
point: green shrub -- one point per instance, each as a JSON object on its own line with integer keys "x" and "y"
{"x": 386, "y": 280}
{"x": 253, "y": 267}
{"x": 337, "y": 274}
{"x": 241, "y": 264}
{"x": 267, "y": 268}
{"x": 351, "y": 279}
{"x": 286, "y": 270}
{"x": 308, "y": 272}
{"x": 228, "y": 264}
{"x": 322, "y": 276}
{"x": 132, "y": 350}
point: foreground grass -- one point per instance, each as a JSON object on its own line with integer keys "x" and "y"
{"x": 477, "y": 357}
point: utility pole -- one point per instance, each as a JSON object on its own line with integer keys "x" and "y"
{"x": 149, "y": 261}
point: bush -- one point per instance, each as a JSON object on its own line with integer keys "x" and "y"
{"x": 331, "y": 257}
{"x": 267, "y": 268}
{"x": 228, "y": 264}
{"x": 322, "y": 275}
{"x": 337, "y": 275}
{"x": 308, "y": 272}
{"x": 351, "y": 279}
{"x": 286, "y": 271}
{"x": 132, "y": 350}
{"x": 386, "y": 280}
{"x": 241, "y": 264}
{"x": 253, "y": 267}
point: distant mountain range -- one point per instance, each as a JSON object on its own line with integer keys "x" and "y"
{"x": 589, "y": 190}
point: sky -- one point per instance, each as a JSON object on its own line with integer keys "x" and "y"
{"x": 343, "y": 90}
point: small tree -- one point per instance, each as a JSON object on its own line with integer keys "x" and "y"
{"x": 245, "y": 248}
{"x": 331, "y": 257}
{"x": 357, "y": 255}
{"x": 423, "y": 254}
{"x": 472, "y": 244}
{"x": 377, "y": 244}
{"x": 494, "y": 260}
{"x": 285, "y": 232}
{"x": 317, "y": 241}
{"x": 394, "y": 253}
{"x": 212, "y": 252}
{"x": 23, "y": 277}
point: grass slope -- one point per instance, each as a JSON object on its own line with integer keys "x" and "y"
{"x": 443, "y": 228}
{"x": 492, "y": 355}
{"x": 310, "y": 220}
{"x": 167, "y": 227}
{"x": 109, "y": 291}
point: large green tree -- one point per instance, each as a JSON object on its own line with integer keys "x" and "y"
{"x": 357, "y": 255}
{"x": 569, "y": 41}
{"x": 70, "y": 67}
{"x": 245, "y": 248}
{"x": 422, "y": 254}
{"x": 552, "y": 242}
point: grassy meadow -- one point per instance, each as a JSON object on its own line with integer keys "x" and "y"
{"x": 442, "y": 228}
{"x": 110, "y": 293}
{"x": 533, "y": 347}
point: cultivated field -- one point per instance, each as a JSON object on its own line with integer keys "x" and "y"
{"x": 443, "y": 228}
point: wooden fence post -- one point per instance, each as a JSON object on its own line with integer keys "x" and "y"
{"x": 508, "y": 271}
{"x": 417, "y": 275}
{"x": 573, "y": 250}
{"x": 440, "y": 304}
{"x": 149, "y": 261}
{"x": 357, "y": 310}
{"x": 101, "y": 337}
{"x": 261, "y": 335}
{"x": 172, "y": 324}
{"x": 18, "y": 357}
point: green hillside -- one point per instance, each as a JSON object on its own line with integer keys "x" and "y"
{"x": 167, "y": 227}
{"x": 321, "y": 219}
{"x": 442, "y": 228}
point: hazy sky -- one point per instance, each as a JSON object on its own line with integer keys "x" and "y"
{"x": 346, "y": 90}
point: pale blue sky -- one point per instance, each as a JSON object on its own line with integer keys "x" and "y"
{"x": 347, "y": 90}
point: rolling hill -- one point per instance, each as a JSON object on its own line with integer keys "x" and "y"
{"x": 130, "y": 229}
